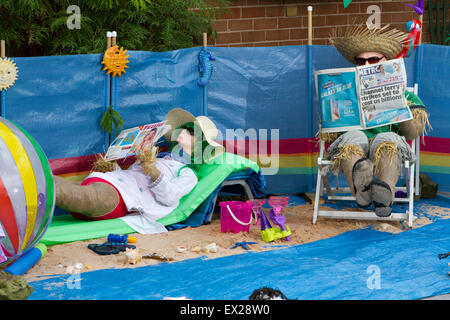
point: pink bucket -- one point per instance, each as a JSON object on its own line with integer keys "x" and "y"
{"x": 235, "y": 216}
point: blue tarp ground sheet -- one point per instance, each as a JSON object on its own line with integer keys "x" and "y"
{"x": 361, "y": 264}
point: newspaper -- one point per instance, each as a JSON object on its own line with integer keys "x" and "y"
{"x": 362, "y": 97}
{"x": 129, "y": 141}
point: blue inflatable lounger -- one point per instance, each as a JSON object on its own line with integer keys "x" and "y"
{"x": 65, "y": 228}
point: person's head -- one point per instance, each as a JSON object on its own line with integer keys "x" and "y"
{"x": 194, "y": 135}
{"x": 368, "y": 44}
{"x": 365, "y": 58}
{"x": 186, "y": 138}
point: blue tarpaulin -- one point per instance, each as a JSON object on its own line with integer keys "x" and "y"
{"x": 360, "y": 264}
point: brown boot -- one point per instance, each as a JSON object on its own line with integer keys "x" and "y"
{"x": 386, "y": 173}
{"x": 358, "y": 172}
{"x": 93, "y": 200}
{"x": 362, "y": 175}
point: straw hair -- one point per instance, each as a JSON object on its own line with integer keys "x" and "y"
{"x": 327, "y": 137}
{"x": 421, "y": 116}
{"x": 390, "y": 149}
{"x": 359, "y": 38}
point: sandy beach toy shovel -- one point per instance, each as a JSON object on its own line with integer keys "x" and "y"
{"x": 277, "y": 204}
{"x": 269, "y": 233}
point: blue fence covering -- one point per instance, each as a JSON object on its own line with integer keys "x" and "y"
{"x": 434, "y": 89}
{"x": 260, "y": 88}
{"x": 155, "y": 83}
{"x": 255, "y": 89}
{"x": 60, "y": 100}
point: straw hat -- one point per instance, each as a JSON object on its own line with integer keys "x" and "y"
{"x": 177, "y": 117}
{"x": 362, "y": 38}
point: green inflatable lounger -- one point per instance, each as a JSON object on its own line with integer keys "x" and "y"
{"x": 65, "y": 228}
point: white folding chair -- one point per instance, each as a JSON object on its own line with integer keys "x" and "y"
{"x": 411, "y": 189}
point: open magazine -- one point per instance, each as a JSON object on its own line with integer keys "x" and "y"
{"x": 129, "y": 141}
{"x": 362, "y": 97}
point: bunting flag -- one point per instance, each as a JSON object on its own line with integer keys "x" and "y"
{"x": 418, "y": 6}
{"x": 346, "y": 3}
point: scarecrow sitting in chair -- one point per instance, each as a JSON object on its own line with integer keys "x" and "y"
{"x": 371, "y": 159}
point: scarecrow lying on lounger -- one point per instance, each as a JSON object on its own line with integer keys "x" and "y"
{"x": 370, "y": 159}
{"x": 151, "y": 187}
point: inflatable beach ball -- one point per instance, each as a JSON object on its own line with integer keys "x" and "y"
{"x": 27, "y": 191}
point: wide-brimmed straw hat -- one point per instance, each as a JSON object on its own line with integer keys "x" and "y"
{"x": 359, "y": 38}
{"x": 178, "y": 117}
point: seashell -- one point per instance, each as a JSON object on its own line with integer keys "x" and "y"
{"x": 181, "y": 249}
{"x": 213, "y": 250}
{"x": 132, "y": 256}
{"x": 196, "y": 249}
{"x": 212, "y": 247}
{"x": 205, "y": 250}
{"x": 78, "y": 265}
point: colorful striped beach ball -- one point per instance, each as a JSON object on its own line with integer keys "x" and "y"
{"x": 27, "y": 191}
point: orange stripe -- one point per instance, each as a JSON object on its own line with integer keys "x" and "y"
{"x": 435, "y": 153}
{"x": 72, "y": 174}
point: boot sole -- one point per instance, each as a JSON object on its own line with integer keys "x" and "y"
{"x": 382, "y": 198}
{"x": 362, "y": 178}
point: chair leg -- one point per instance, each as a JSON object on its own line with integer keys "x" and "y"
{"x": 242, "y": 183}
{"x": 248, "y": 191}
{"x": 411, "y": 196}
{"x": 213, "y": 207}
{"x": 417, "y": 166}
{"x": 317, "y": 197}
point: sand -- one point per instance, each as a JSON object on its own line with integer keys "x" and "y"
{"x": 61, "y": 259}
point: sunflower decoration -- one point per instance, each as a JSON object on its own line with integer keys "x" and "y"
{"x": 115, "y": 60}
{"x": 8, "y": 73}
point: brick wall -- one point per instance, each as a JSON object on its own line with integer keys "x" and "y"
{"x": 285, "y": 22}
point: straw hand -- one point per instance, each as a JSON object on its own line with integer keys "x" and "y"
{"x": 147, "y": 159}
{"x": 102, "y": 165}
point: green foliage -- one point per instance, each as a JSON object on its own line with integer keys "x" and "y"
{"x": 111, "y": 121}
{"x": 39, "y": 27}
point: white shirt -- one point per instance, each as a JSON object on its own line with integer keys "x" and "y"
{"x": 150, "y": 200}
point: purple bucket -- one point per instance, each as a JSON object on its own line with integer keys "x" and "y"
{"x": 235, "y": 216}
